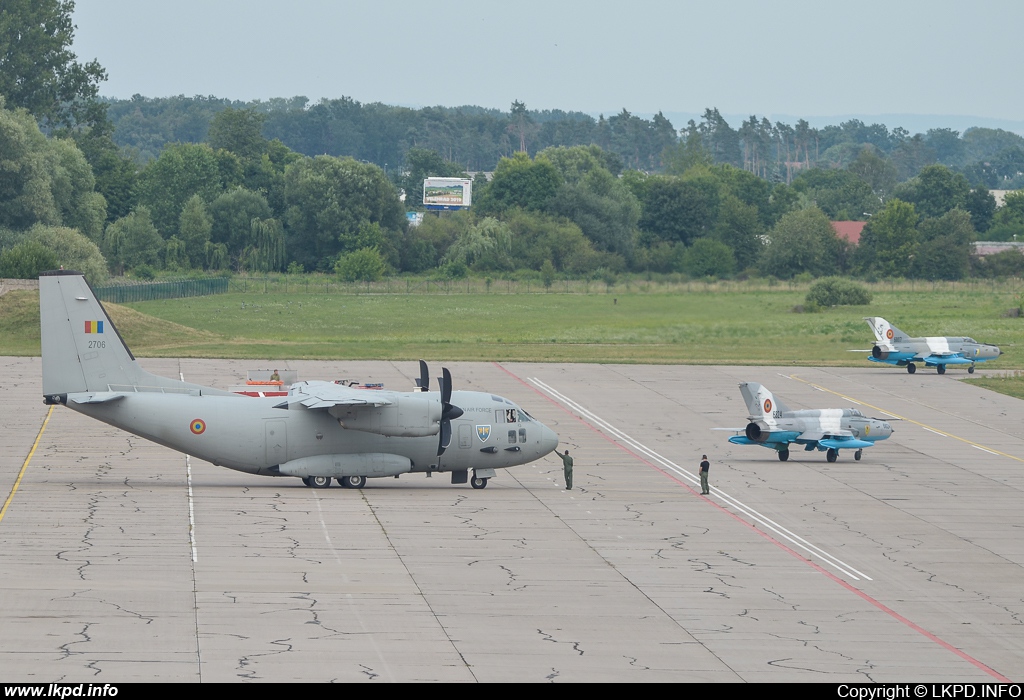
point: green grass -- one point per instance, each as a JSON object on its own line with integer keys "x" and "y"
{"x": 1011, "y": 384}
{"x": 700, "y": 327}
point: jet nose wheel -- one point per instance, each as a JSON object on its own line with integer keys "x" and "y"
{"x": 832, "y": 455}
{"x": 970, "y": 370}
{"x": 857, "y": 454}
{"x": 478, "y": 482}
{"x": 319, "y": 482}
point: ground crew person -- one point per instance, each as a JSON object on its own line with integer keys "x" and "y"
{"x": 704, "y": 467}
{"x": 567, "y": 470}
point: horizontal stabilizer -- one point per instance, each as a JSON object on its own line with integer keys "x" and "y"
{"x": 99, "y": 397}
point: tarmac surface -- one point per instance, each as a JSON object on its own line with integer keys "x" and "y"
{"x": 122, "y": 561}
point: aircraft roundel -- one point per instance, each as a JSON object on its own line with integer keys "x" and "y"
{"x": 767, "y": 405}
{"x": 198, "y": 426}
{"x": 888, "y": 334}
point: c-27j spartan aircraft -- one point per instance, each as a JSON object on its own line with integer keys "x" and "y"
{"x": 319, "y": 432}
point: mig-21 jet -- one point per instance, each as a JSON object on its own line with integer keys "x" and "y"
{"x": 894, "y": 347}
{"x": 319, "y": 432}
{"x": 775, "y": 426}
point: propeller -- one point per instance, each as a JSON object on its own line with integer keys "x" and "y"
{"x": 449, "y": 412}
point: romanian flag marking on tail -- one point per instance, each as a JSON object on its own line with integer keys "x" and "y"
{"x": 94, "y": 326}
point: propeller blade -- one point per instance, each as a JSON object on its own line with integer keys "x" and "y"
{"x": 446, "y": 386}
{"x": 446, "y": 437}
{"x": 423, "y": 381}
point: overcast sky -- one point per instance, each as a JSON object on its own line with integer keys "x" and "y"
{"x": 786, "y": 57}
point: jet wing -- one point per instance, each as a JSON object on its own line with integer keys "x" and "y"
{"x": 947, "y": 358}
{"x": 328, "y": 394}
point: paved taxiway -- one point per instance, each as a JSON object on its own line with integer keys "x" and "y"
{"x": 906, "y": 565}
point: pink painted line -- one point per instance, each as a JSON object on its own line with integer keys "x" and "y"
{"x": 853, "y": 589}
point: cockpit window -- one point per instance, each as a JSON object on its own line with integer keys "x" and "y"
{"x": 855, "y": 412}
{"x": 497, "y": 398}
{"x": 524, "y": 416}
{"x": 970, "y": 340}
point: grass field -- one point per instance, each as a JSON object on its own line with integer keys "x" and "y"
{"x": 700, "y": 327}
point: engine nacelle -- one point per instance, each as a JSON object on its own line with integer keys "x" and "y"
{"x": 757, "y": 431}
{"x": 878, "y": 353}
{"x": 408, "y": 416}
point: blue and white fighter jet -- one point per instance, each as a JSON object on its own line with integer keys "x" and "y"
{"x": 775, "y": 426}
{"x": 894, "y": 347}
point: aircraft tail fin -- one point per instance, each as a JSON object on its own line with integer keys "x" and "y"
{"x": 82, "y": 350}
{"x": 761, "y": 403}
{"x": 885, "y": 332}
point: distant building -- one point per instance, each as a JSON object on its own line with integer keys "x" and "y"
{"x": 849, "y": 231}
{"x": 983, "y": 248}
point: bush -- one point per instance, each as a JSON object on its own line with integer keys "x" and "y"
{"x": 836, "y": 291}
{"x": 363, "y": 265}
{"x": 26, "y": 260}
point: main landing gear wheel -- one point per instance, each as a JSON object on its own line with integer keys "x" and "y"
{"x": 857, "y": 454}
{"x": 832, "y": 455}
{"x": 319, "y": 482}
{"x": 352, "y": 482}
{"x": 783, "y": 455}
{"x": 305, "y": 480}
{"x": 970, "y": 370}
{"x": 941, "y": 369}
{"x": 911, "y": 368}
{"x": 478, "y": 482}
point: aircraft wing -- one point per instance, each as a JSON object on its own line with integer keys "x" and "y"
{"x": 328, "y": 394}
{"x": 946, "y": 358}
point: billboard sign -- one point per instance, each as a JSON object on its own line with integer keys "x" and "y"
{"x": 447, "y": 193}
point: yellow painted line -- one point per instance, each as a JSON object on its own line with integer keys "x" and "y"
{"x": 908, "y": 420}
{"x": 17, "y": 482}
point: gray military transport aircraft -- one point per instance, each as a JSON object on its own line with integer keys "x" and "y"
{"x": 319, "y": 432}
{"x": 894, "y": 347}
{"x": 775, "y": 426}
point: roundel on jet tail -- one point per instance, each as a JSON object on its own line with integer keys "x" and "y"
{"x": 767, "y": 405}
{"x": 198, "y": 426}
{"x": 888, "y": 334}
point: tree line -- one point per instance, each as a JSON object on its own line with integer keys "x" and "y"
{"x": 180, "y": 184}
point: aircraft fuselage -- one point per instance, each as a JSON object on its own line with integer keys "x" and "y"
{"x": 252, "y": 435}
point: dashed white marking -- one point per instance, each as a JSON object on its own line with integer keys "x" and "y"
{"x": 750, "y": 513}
{"x": 935, "y": 431}
{"x": 979, "y": 447}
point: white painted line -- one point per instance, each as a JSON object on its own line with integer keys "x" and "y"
{"x": 979, "y": 447}
{"x": 935, "y": 431}
{"x": 191, "y": 502}
{"x": 191, "y": 510}
{"x": 737, "y": 505}
{"x": 890, "y": 415}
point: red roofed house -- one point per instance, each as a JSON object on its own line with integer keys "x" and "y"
{"x": 849, "y": 231}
